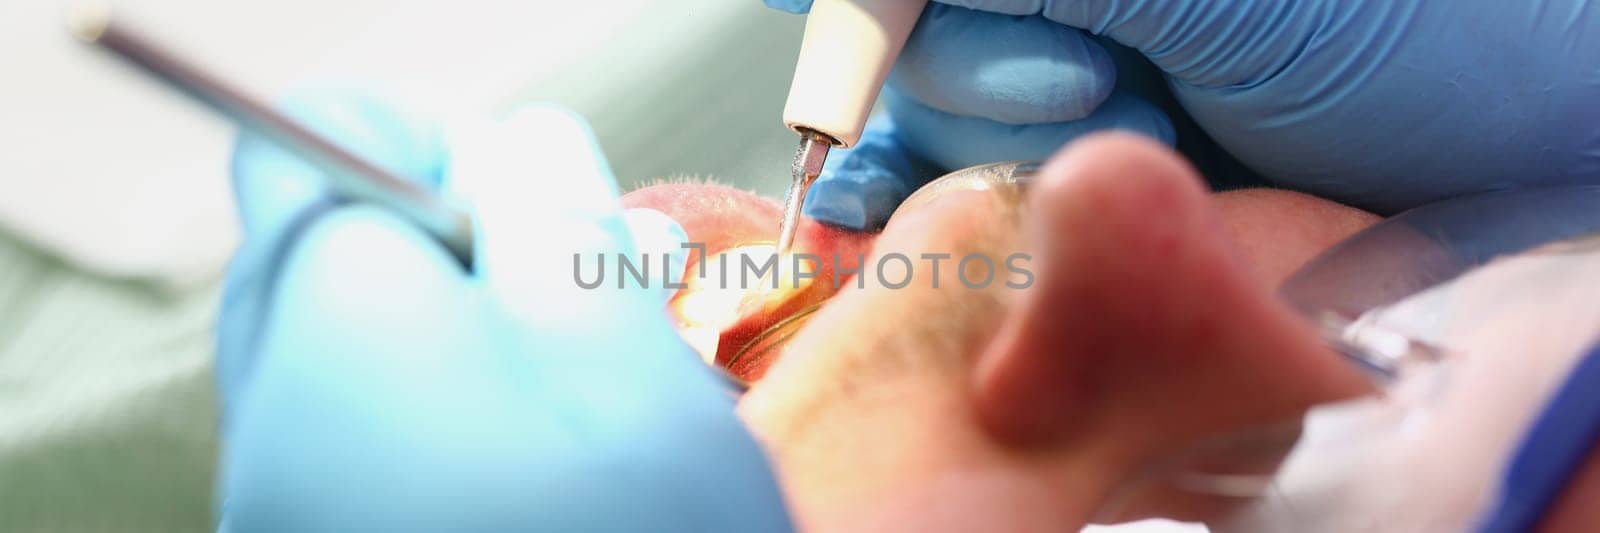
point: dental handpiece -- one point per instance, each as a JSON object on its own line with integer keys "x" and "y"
{"x": 845, "y": 55}
{"x": 350, "y": 176}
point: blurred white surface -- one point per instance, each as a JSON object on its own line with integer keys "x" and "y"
{"x": 120, "y": 176}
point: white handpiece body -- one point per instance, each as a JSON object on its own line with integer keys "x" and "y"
{"x": 848, "y": 48}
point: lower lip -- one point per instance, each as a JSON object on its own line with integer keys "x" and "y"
{"x": 752, "y": 318}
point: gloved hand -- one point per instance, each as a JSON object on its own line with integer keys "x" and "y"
{"x": 1383, "y": 104}
{"x": 369, "y": 383}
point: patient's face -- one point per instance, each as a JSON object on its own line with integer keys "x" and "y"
{"x": 1149, "y": 331}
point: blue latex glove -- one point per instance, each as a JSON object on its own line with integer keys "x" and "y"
{"x": 370, "y": 384}
{"x": 1384, "y": 104}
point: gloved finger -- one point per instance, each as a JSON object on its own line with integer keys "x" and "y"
{"x": 549, "y": 223}
{"x": 544, "y": 198}
{"x": 798, "y": 7}
{"x": 1209, "y": 43}
{"x": 428, "y": 409}
{"x": 399, "y": 257}
{"x": 659, "y": 241}
{"x": 279, "y": 195}
{"x": 380, "y": 370}
{"x": 954, "y": 141}
{"x": 271, "y": 184}
{"x": 552, "y": 240}
{"x": 861, "y": 186}
{"x": 1010, "y": 69}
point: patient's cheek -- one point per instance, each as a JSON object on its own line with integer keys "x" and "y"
{"x": 735, "y": 309}
{"x": 1278, "y": 231}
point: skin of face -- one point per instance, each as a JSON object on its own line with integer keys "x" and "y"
{"x": 1151, "y": 345}
{"x": 1148, "y": 332}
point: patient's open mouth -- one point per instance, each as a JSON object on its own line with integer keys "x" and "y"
{"x": 740, "y": 301}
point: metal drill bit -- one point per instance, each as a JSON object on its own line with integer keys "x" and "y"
{"x": 808, "y": 161}
{"x": 348, "y": 175}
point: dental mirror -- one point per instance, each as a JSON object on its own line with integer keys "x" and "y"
{"x": 1384, "y": 297}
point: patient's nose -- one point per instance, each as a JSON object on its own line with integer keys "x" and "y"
{"x": 1145, "y": 328}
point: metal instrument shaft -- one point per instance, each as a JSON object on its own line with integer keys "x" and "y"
{"x": 349, "y": 176}
{"x": 808, "y": 161}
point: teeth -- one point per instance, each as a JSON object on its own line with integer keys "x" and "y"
{"x": 730, "y": 293}
{"x": 714, "y": 297}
